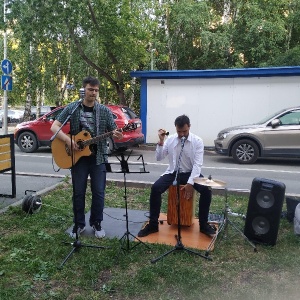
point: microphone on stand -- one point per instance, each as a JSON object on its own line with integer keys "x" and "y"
{"x": 183, "y": 139}
{"x": 81, "y": 94}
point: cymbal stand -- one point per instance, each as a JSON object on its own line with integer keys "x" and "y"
{"x": 179, "y": 245}
{"x": 224, "y": 227}
{"x": 125, "y": 239}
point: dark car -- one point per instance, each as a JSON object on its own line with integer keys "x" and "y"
{"x": 277, "y": 135}
{"x": 31, "y": 135}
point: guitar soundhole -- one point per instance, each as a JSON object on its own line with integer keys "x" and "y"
{"x": 80, "y": 144}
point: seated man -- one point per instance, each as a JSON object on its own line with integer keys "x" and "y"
{"x": 191, "y": 148}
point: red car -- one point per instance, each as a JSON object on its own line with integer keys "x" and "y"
{"x": 31, "y": 135}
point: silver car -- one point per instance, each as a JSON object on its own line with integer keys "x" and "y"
{"x": 275, "y": 136}
{"x": 13, "y": 116}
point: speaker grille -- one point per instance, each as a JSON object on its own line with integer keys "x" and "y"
{"x": 260, "y": 225}
{"x": 265, "y": 199}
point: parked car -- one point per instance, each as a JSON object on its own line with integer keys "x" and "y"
{"x": 43, "y": 111}
{"x": 277, "y": 135}
{"x": 31, "y": 135}
{"x": 123, "y": 115}
{"x": 13, "y": 116}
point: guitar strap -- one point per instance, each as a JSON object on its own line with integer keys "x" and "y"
{"x": 97, "y": 108}
{"x": 88, "y": 119}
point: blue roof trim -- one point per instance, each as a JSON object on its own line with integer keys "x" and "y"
{"x": 219, "y": 73}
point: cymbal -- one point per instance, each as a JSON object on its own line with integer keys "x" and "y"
{"x": 209, "y": 182}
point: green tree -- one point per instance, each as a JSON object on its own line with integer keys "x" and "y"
{"x": 110, "y": 37}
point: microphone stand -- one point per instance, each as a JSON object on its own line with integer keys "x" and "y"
{"x": 179, "y": 245}
{"x": 76, "y": 244}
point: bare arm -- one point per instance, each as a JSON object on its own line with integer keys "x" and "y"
{"x": 62, "y": 136}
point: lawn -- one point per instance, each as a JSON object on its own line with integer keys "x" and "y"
{"x": 32, "y": 249}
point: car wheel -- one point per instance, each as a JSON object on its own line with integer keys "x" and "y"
{"x": 110, "y": 146}
{"x": 27, "y": 142}
{"x": 245, "y": 152}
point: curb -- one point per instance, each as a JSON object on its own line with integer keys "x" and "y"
{"x": 132, "y": 184}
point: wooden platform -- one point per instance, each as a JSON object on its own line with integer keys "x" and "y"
{"x": 191, "y": 236}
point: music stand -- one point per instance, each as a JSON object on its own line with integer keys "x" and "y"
{"x": 124, "y": 240}
{"x": 179, "y": 245}
{"x": 224, "y": 226}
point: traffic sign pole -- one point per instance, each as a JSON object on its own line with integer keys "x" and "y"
{"x": 5, "y": 110}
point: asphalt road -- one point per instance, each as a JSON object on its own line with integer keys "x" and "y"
{"x": 38, "y": 171}
{"x": 219, "y": 167}
{"x": 222, "y": 168}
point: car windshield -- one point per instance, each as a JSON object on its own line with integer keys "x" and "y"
{"x": 129, "y": 113}
{"x": 264, "y": 120}
{"x": 53, "y": 115}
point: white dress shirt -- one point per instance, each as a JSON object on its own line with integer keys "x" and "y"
{"x": 191, "y": 158}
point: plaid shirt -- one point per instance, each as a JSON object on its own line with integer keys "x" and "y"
{"x": 104, "y": 122}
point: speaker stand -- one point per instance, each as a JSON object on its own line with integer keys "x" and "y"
{"x": 224, "y": 227}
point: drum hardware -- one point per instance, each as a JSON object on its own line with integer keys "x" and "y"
{"x": 224, "y": 226}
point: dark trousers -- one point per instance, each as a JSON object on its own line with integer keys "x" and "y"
{"x": 163, "y": 183}
{"x": 83, "y": 168}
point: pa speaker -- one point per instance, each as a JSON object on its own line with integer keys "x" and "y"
{"x": 264, "y": 211}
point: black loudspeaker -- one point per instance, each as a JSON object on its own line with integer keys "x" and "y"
{"x": 264, "y": 211}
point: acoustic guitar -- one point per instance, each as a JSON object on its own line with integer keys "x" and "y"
{"x": 62, "y": 154}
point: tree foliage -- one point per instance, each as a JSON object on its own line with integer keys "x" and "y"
{"x": 54, "y": 44}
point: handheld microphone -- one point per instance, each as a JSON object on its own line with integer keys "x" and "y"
{"x": 165, "y": 133}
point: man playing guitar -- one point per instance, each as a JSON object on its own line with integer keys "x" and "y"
{"x": 95, "y": 120}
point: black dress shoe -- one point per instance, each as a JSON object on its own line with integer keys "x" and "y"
{"x": 148, "y": 229}
{"x": 208, "y": 229}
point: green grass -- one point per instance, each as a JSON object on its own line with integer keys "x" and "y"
{"x": 32, "y": 249}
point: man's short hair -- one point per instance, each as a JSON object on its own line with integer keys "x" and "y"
{"x": 182, "y": 120}
{"x": 93, "y": 81}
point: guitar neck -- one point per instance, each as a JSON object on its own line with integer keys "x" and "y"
{"x": 94, "y": 140}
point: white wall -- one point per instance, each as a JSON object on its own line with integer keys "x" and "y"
{"x": 217, "y": 103}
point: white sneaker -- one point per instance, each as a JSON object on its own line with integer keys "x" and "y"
{"x": 79, "y": 231}
{"x": 99, "y": 231}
